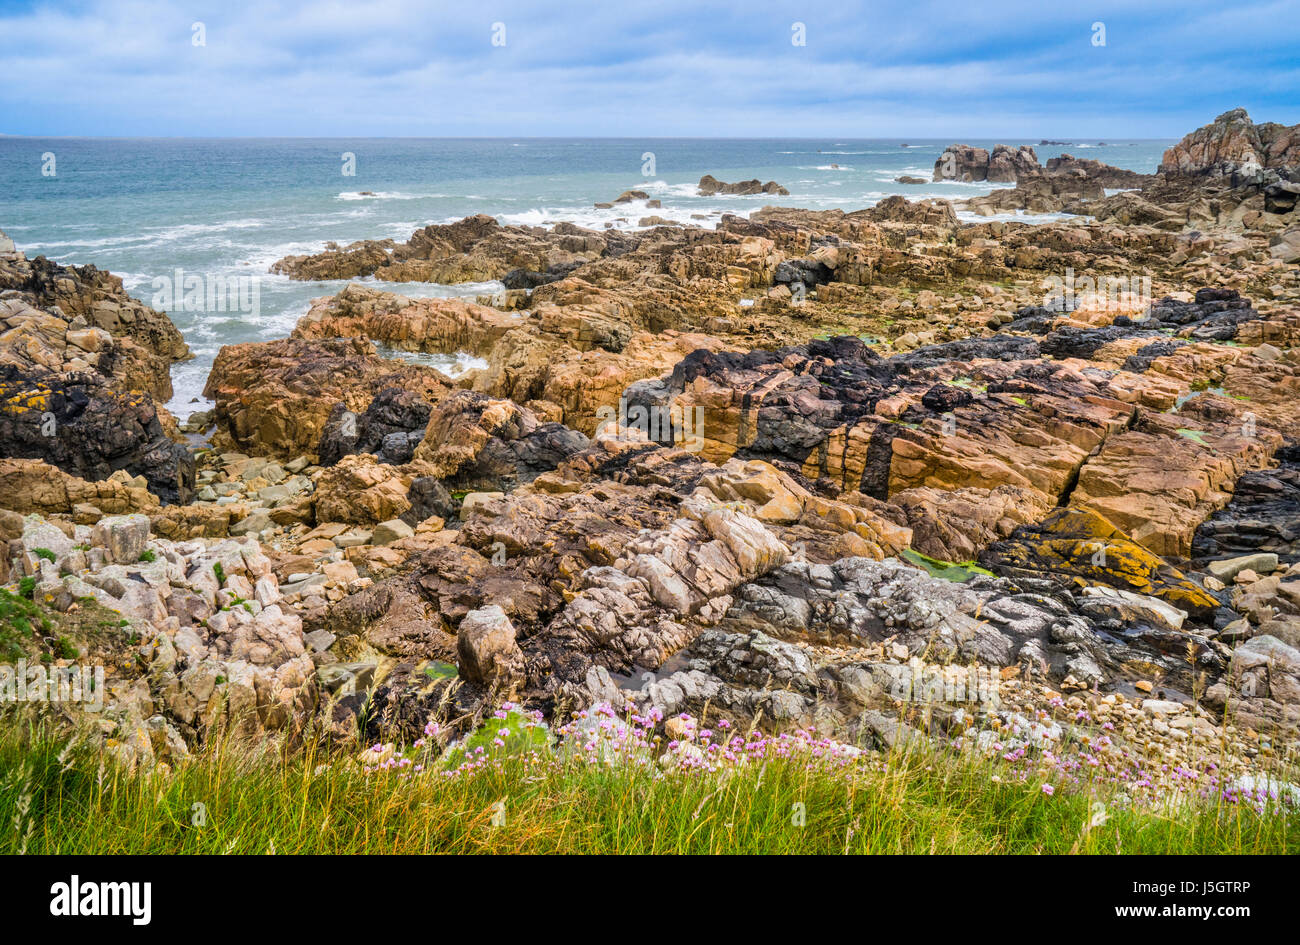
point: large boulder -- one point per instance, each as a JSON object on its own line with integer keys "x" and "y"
{"x": 1004, "y": 164}
{"x": 80, "y": 424}
{"x": 710, "y": 185}
{"x": 489, "y": 655}
{"x": 1233, "y": 142}
{"x": 275, "y": 398}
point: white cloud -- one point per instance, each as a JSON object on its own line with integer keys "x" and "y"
{"x": 667, "y": 68}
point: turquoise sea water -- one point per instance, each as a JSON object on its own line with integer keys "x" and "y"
{"x": 227, "y": 208}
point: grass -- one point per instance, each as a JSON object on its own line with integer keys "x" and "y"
{"x": 1196, "y": 436}
{"x": 21, "y": 621}
{"x": 30, "y": 629}
{"x": 958, "y": 571}
{"x": 57, "y": 797}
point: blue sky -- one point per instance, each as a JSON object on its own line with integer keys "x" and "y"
{"x": 643, "y": 68}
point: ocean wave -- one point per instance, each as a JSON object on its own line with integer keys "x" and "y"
{"x": 452, "y": 365}
{"x": 624, "y": 217}
{"x": 150, "y": 237}
{"x": 656, "y": 187}
{"x": 386, "y": 195}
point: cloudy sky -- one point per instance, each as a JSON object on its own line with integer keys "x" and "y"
{"x": 643, "y": 67}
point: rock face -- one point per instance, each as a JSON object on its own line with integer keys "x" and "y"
{"x": 476, "y": 249}
{"x": 1232, "y": 143}
{"x": 199, "y": 642}
{"x": 70, "y": 319}
{"x": 79, "y": 424}
{"x": 81, "y": 364}
{"x": 1263, "y": 516}
{"x": 710, "y": 185}
{"x": 276, "y": 398}
{"x": 1005, "y": 163}
{"x": 32, "y": 485}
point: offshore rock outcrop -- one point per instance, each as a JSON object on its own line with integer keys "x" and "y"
{"x": 1233, "y": 143}
{"x": 710, "y": 185}
{"x": 1004, "y": 163}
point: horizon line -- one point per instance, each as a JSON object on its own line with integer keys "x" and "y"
{"x": 527, "y": 138}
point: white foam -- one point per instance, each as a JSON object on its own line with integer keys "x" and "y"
{"x": 386, "y": 195}
{"x": 452, "y": 365}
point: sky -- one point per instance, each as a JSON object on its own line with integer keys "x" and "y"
{"x": 643, "y": 68}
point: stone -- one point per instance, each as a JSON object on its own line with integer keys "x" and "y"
{"x": 123, "y": 537}
{"x": 475, "y": 500}
{"x": 487, "y": 651}
{"x": 1229, "y": 568}
{"x": 385, "y": 533}
{"x": 258, "y": 521}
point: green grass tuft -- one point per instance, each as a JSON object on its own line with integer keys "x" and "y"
{"x": 233, "y": 800}
{"x": 960, "y": 572}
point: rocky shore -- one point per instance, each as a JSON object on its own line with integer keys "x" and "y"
{"x": 780, "y": 472}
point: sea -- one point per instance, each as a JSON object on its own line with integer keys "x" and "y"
{"x": 161, "y": 211}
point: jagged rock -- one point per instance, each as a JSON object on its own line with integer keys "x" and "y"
{"x": 710, "y": 185}
{"x": 405, "y": 324}
{"x": 81, "y": 425}
{"x": 1230, "y": 142}
{"x": 1104, "y": 174}
{"x": 391, "y": 427}
{"x": 475, "y": 249}
{"x": 274, "y": 398}
{"x": 58, "y": 316}
{"x": 474, "y": 442}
